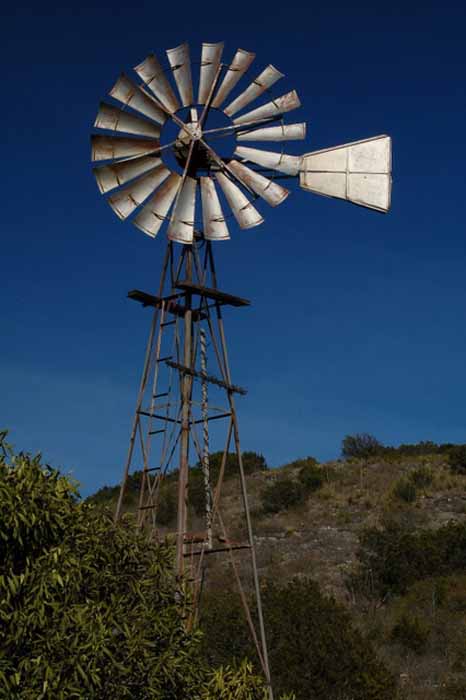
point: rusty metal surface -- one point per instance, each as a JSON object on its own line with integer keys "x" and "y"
{"x": 215, "y": 228}
{"x": 263, "y": 82}
{"x": 181, "y": 227}
{"x": 152, "y": 215}
{"x": 180, "y": 63}
{"x": 110, "y": 176}
{"x": 359, "y": 172}
{"x": 237, "y": 68}
{"x": 210, "y": 62}
{"x": 281, "y": 162}
{"x": 274, "y": 108}
{"x": 110, "y": 147}
{"x": 115, "y": 119}
{"x": 128, "y": 199}
{"x": 151, "y": 72}
{"x": 130, "y": 95}
{"x": 284, "y": 132}
{"x": 270, "y": 191}
{"x": 244, "y": 212}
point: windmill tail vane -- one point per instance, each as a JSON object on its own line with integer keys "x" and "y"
{"x": 195, "y": 158}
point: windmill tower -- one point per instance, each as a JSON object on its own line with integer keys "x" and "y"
{"x": 166, "y": 155}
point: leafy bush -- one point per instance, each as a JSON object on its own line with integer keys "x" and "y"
{"x": 91, "y": 610}
{"x": 301, "y": 462}
{"x": 87, "y": 609}
{"x": 286, "y": 493}
{"x": 457, "y": 459}
{"x": 405, "y": 490}
{"x": 411, "y": 632}
{"x": 314, "y": 651}
{"x": 237, "y": 682}
{"x": 310, "y": 475}
{"x": 394, "y": 557}
{"x": 361, "y": 445}
{"x": 282, "y": 495}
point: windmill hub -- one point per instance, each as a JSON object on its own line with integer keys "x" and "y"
{"x": 195, "y": 131}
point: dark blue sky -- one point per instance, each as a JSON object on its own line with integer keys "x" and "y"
{"x": 357, "y": 321}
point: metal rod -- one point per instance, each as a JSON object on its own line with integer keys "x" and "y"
{"x": 205, "y": 434}
{"x": 206, "y": 377}
{"x": 199, "y": 552}
{"x": 186, "y": 382}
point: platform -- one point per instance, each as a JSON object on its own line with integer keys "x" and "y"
{"x": 214, "y": 294}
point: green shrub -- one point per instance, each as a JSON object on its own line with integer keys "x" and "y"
{"x": 310, "y": 476}
{"x": 360, "y": 446}
{"x": 84, "y": 605}
{"x": 301, "y": 462}
{"x": 392, "y": 558}
{"x": 457, "y": 459}
{"x": 286, "y": 492}
{"x": 405, "y": 490}
{"x": 314, "y": 650}
{"x": 93, "y": 610}
{"x": 411, "y": 632}
{"x": 282, "y": 495}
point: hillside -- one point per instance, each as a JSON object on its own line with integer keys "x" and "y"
{"x": 384, "y": 534}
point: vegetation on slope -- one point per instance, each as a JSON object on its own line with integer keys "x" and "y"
{"x": 383, "y": 530}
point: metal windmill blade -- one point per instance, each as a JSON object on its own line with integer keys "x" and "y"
{"x": 210, "y": 63}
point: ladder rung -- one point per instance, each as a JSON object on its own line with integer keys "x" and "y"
{"x": 167, "y": 323}
{"x": 152, "y": 469}
{"x": 158, "y": 416}
{"x": 159, "y": 396}
{"x": 164, "y": 359}
{"x": 154, "y": 432}
{"x": 146, "y": 507}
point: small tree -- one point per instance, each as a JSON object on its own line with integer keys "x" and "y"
{"x": 457, "y": 459}
{"x": 361, "y": 445}
{"x": 282, "y": 495}
{"x": 310, "y": 475}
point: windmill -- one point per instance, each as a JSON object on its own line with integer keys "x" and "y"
{"x": 167, "y": 150}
